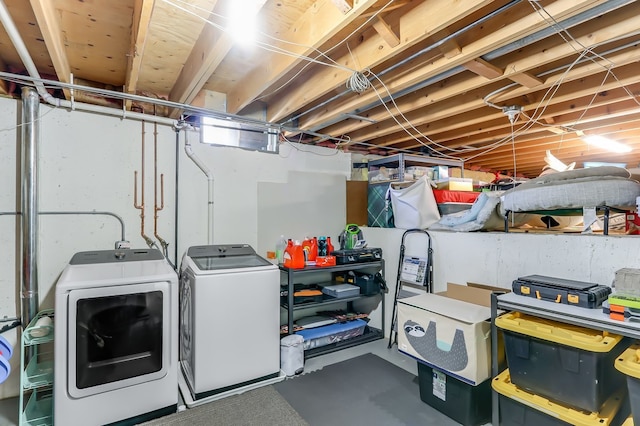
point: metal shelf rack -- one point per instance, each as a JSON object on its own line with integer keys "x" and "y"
{"x": 370, "y": 333}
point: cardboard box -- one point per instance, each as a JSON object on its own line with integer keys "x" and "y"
{"x": 450, "y": 330}
{"x": 455, "y": 184}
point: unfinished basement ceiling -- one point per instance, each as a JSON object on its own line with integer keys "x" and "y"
{"x": 432, "y": 76}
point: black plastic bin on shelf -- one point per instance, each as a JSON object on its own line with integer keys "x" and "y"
{"x": 629, "y": 364}
{"x": 568, "y": 364}
{"x": 464, "y": 403}
{"x": 521, "y": 408}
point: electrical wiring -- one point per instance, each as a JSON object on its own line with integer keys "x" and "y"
{"x": 586, "y": 54}
{"x": 291, "y": 144}
{"x": 411, "y": 126}
{"x": 277, "y": 49}
{"x": 17, "y": 126}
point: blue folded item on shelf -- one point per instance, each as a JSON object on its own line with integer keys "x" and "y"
{"x": 325, "y": 335}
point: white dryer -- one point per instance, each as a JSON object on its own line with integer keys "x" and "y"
{"x": 116, "y": 338}
{"x": 230, "y": 319}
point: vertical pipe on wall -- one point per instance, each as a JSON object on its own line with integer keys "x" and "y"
{"x": 29, "y": 191}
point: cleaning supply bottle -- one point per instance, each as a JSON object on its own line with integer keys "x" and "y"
{"x": 281, "y": 245}
{"x": 294, "y": 256}
{"x": 322, "y": 246}
{"x": 329, "y": 246}
{"x": 306, "y": 248}
{"x": 313, "y": 251}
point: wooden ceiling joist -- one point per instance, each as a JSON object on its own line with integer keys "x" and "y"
{"x": 511, "y": 32}
{"x": 141, "y": 18}
{"x": 614, "y": 26}
{"x": 483, "y": 68}
{"x": 308, "y": 34}
{"x": 391, "y": 37}
{"x": 48, "y": 22}
{"x": 449, "y": 48}
{"x": 580, "y": 81}
{"x": 526, "y": 79}
{"x": 207, "y": 54}
{"x": 369, "y": 53}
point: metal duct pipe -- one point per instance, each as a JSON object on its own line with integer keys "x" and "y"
{"x": 29, "y": 217}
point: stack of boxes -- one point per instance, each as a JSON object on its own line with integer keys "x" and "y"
{"x": 449, "y": 334}
{"x": 560, "y": 374}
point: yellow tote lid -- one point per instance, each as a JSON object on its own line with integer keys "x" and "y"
{"x": 502, "y": 384}
{"x": 584, "y": 338}
{"x": 629, "y": 362}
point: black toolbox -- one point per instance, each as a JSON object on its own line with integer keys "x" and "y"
{"x": 345, "y": 257}
{"x": 560, "y": 290}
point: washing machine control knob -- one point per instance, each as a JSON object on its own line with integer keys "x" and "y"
{"x": 119, "y": 255}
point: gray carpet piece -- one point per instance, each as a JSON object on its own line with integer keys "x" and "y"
{"x": 259, "y": 407}
{"x": 366, "y": 390}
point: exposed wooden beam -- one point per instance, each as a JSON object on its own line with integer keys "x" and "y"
{"x": 371, "y": 53}
{"x": 207, "y": 54}
{"x": 141, "y": 18}
{"x": 613, "y": 25}
{"x": 329, "y": 79}
{"x": 386, "y": 32}
{"x": 526, "y": 79}
{"x": 449, "y": 48}
{"x": 49, "y": 24}
{"x": 483, "y": 68}
{"x": 310, "y": 32}
{"x": 580, "y": 81}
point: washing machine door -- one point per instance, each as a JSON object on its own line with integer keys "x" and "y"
{"x": 118, "y": 337}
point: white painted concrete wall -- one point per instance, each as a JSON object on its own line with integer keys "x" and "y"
{"x": 87, "y": 163}
{"x": 496, "y": 258}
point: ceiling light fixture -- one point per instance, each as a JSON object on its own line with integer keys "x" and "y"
{"x": 242, "y": 23}
{"x": 604, "y": 143}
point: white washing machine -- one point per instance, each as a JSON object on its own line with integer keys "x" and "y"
{"x": 116, "y": 338}
{"x": 230, "y": 319}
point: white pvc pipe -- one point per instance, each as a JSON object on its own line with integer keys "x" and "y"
{"x": 209, "y": 175}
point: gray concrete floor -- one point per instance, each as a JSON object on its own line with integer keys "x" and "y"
{"x": 9, "y": 407}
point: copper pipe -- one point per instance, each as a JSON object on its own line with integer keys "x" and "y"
{"x": 156, "y": 209}
{"x": 140, "y": 206}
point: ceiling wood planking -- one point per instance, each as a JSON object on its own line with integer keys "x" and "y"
{"x": 308, "y": 35}
{"x": 139, "y": 29}
{"x": 169, "y": 45}
{"x": 504, "y": 35}
{"x": 370, "y": 53}
{"x": 207, "y": 54}
{"x": 96, "y": 40}
{"x": 27, "y": 25}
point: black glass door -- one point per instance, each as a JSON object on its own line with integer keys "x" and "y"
{"x": 118, "y": 337}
